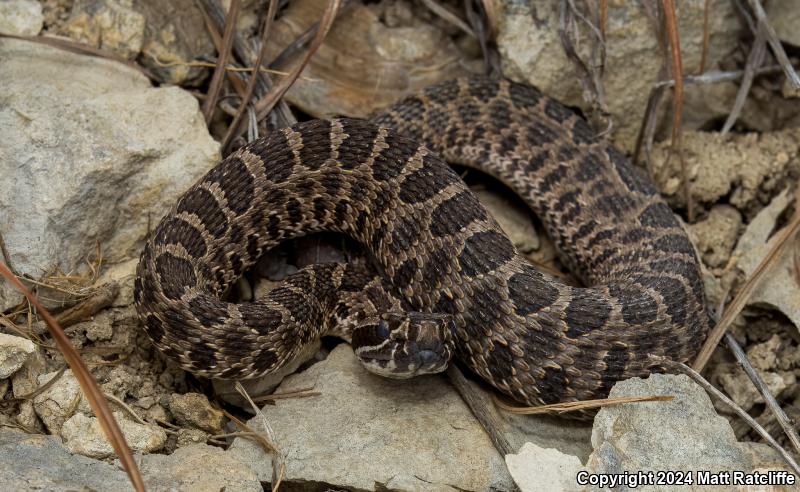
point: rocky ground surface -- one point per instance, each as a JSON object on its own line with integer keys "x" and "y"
{"x": 94, "y": 153}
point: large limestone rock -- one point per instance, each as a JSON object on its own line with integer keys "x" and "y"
{"x": 91, "y": 155}
{"x": 531, "y": 50}
{"x": 364, "y": 432}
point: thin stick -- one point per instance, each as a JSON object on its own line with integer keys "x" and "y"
{"x": 233, "y": 129}
{"x": 754, "y": 59}
{"x": 480, "y": 409}
{"x": 265, "y": 105}
{"x": 775, "y": 44}
{"x": 102, "y": 297}
{"x": 89, "y": 386}
{"x": 222, "y": 60}
{"x": 738, "y": 303}
{"x": 245, "y": 53}
{"x": 716, "y": 77}
{"x": 772, "y": 403}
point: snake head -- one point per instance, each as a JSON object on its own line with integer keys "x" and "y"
{"x": 404, "y": 345}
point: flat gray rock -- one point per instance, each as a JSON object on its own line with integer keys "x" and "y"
{"x": 365, "y": 431}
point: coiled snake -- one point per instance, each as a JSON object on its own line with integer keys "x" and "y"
{"x": 445, "y": 278}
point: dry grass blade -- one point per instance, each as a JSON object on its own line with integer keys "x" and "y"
{"x": 222, "y": 60}
{"x": 735, "y": 307}
{"x": 772, "y": 403}
{"x": 233, "y": 129}
{"x": 754, "y": 60}
{"x": 574, "y": 406}
{"x": 671, "y": 22}
{"x": 81, "y": 49}
{"x": 775, "y": 44}
{"x": 300, "y": 393}
{"x": 448, "y": 16}
{"x": 278, "y": 463}
{"x": 683, "y": 368}
{"x": 265, "y": 105}
{"x": 89, "y": 386}
{"x": 706, "y": 37}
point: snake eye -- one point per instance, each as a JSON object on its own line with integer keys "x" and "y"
{"x": 382, "y": 330}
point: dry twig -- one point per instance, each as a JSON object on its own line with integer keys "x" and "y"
{"x": 245, "y": 53}
{"x": 218, "y": 76}
{"x": 264, "y": 105}
{"x": 754, "y": 60}
{"x": 480, "y": 408}
{"x": 775, "y": 43}
{"x": 100, "y": 298}
{"x": 772, "y": 403}
{"x": 233, "y": 129}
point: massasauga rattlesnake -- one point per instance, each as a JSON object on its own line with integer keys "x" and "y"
{"x": 440, "y": 257}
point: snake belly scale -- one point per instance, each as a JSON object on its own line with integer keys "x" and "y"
{"x": 434, "y": 246}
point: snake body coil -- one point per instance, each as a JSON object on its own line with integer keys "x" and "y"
{"x": 436, "y": 248}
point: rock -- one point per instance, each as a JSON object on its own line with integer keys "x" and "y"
{"x": 59, "y": 401}
{"x": 36, "y": 462}
{"x": 716, "y": 236}
{"x": 684, "y": 434}
{"x": 68, "y": 109}
{"x": 175, "y": 35}
{"x": 778, "y": 288}
{"x": 531, "y": 50}
{"x": 364, "y": 65}
{"x": 83, "y": 435}
{"x": 27, "y": 419}
{"x": 515, "y": 220}
{"x": 21, "y": 17}
{"x": 194, "y": 409}
{"x": 26, "y": 379}
{"x": 110, "y": 25}
{"x": 764, "y": 356}
{"x": 535, "y": 468}
{"x": 741, "y": 390}
{"x": 416, "y": 434}
{"x": 742, "y": 167}
{"x": 784, "y": 17}
{"x": 198, "y": 467}
{"x": 188, "y": 437}
{"x": 14, "y": 351}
